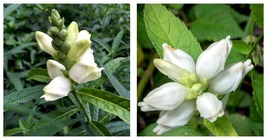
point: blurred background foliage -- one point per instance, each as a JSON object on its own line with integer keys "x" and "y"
{"x": 109, "y": 26}
{"x": 209, "y": 23}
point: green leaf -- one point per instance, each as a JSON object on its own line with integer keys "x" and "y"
{"x": 39, "y": 74}
{"x": 221, "y": 127}
{"x": 163, "y": 27}
{"x": 234, "y": 57}
{"x": 99, "y": 129}
{"x": 24, "y": 95}
{"x": 241, "y": 46}
{"x": 10, "y": 9}
{"x": 142, "y": 36}
{"x": 107, "y": 101}
{"x": 117, "y": 40}
{"x": 118, "y": 127}
{"x": 61, "y": 119}
{"x": 257, "y": 83}
{"x": 101, "y": 43}
{"x": 19, "y": 49}
{"x": 176, "y": 6}
{"x": 12, "y": 131}
{"x": 15, "y": 80}
{"x": 241, "y": 124}
{"x": 116, "y": 84}
{"x": 257, "y": 10}
{"x": 214, "y": 22}
{"x": 180, "y": 131}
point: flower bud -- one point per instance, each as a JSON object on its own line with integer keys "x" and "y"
{"x": 179, "y": 58}
{"x": 229, "y": 79}
{"x": 176, "y": 117}
{"x": 63, "y": 34}
{"x": 58, "y": 88}
{"x": 44, "y": 42}
{"x": 54, "y": 31}
{"x": 171, "y": 70}
{"x": 72, "y": 32}
{"x": 165, "y": 97}
{"x": 209, "y": 106}
{"x": 54, "y": 68}
{"x": 212, "y": 60}
{"x": 78, "y": 48}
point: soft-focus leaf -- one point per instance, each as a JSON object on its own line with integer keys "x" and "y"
{"x": 257, "y": 83}
{"x": 99, "y": 129}
{"x": 163, "y": 27}
{"x": 180, "y": 131}
{"x": 19, "y": 49}
{"x": 142, "y": 36}
{"x": 241, "y": 46}
{"x": 12, "y": 131}
{"x": 221, "y": 127}
{"x": 214, "y": 22}
{"x": 257, "y": 10}
{"x": 10, "y": 9}
{"x": 241, "y": 124}
{"x": 118, "y": 127}
{"x": 117, "y": 40}
{"x": 107, "y": 101}
{"x": 39, "y": 74}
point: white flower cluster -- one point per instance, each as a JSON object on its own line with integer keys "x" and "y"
{"x": 195, "y": 85}
{"x": 84, "y": 69}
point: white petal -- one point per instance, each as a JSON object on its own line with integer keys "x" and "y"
{"x": 88, "y": 58}
{"x": 54, "y": 68}
{"x": 58, "y": 88}
{"x": 209, "y": 106}
{"x": 229, "y": 79}
{"x": 44, "y": 42}
{"x": 171, "y": 70}
{"x": 212, "y": 60}
{"x": 178, "y": 116}
{"x": 83, "y": 35}
{"x": 159, "y": 129}
{"x": 179, "y": 58}
{"x": 72, "y": 32}
{"x": 165, "y": 97}
{"x": 82, "y": 73}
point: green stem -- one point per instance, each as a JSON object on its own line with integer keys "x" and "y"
{"x": 145, "y": 77}
{"x": 82, "y": 110}
{"x": 255, "y": 45}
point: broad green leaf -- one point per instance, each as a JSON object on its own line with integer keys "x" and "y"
{"x": 8, "y": 10}
{"x": 241, "y": 124}
{"x": 257, "y": 83}
{"x": 107, "y": 101}
{"x": 122, "y": 91}
{"x": 234, "y": 57}
{"x": 163, "y": 27}
{"x": 61, "y": 119}
{"x": 142, "y": 37}
{"x": 24, "y": 95}
{"x": 214, "y": 22}
{"x": 118, "y": 127}
{"x": 12, "y": 131}
{"x": 99, "y": 129}
{"x": 180, "y": 131}
{"x": 177, "y": 6}
{"x": 241, "y": 46}
{"x": 257, "y": 10}
{"x": 39, "y": 74}
{"x": 221, "y": 127}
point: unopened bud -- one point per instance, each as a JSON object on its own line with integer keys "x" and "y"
{"x": 63, "y": 34}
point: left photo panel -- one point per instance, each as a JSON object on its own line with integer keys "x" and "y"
{"x": 66, "y": 69}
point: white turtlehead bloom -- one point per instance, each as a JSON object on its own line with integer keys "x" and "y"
{"x": 209, "y": 106}
{"x": 229, "y": 79}
{"x": 58, "y": 88}
{"x": 212, "y": 60}
{"x": 54, "y": 68}
{"x": 179, "y": 116}
{"x": 44, "y": 42}
{"x": 85, "y": 69}
{"x": 165, "y": 97}
{"x": 179, "y": 58}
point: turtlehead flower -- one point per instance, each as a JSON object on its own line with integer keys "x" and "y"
{"x": 44, "y": 42}
{"x": 194, "y": 83}
{"x": 179, "y": 116}
{"x": 54, "y": 68}
{"x": 85, "y": 69}
{"x": 58, "y": 88}
{"x": 209, "y": 106}
{"x": 162, "y": 99}
{"x": 229, "y": 79}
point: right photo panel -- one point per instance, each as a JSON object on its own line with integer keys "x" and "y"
{"x": 200, "y": 70}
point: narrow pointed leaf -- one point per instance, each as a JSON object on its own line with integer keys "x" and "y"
{"x": 99, "y": 129}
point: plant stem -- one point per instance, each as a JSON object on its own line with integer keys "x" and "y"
{"x": 255, "y": 45}
{"x": 145, "y": 77}
{"x": 82, "y": 110}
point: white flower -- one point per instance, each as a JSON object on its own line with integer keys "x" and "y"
{"x": 229, "y": 79}
{"x": 58, "y": 88}
{"x": 165, "y": 97}
{"x": 72, "y": 32}
{"x": 44, "y": 42}
{"x": 179, "y": 58}
{"x": 54, "y": 68}
{"x": 209, "y": 106}
{"x": 176, "y": 117}
{"x": 85, "y": 69}
{"x": 212, "y": 60}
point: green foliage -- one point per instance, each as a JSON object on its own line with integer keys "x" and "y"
{"x": 257, "y": 11}
{"x": 163, "y": 27}
{"x": 25, "y": 69}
